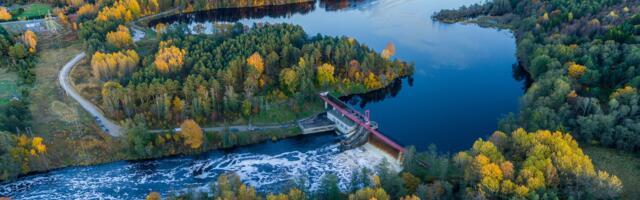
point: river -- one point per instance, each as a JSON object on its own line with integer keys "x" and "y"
{"x": 462, "y": 84}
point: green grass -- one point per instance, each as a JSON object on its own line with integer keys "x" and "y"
{"x": 36, "y": 10}
{"x": 285, "y": 112}
{"x": 624, "y": 165}
{"x": 8, "y": 87}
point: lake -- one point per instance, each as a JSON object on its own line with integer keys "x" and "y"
{"x": 462, "y": 85}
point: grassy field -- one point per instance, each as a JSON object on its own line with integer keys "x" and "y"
{"x": 8, "y": 87}
{"x": 624, "y": 165}
{"x": 32, "y": 11}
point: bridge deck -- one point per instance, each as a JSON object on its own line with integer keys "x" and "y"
{"x": 358, "y": 118}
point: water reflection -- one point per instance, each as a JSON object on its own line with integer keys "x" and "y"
{"x": 390, "y": 91}
{"x": 236, "y": 14}
{"x": 335, "y": 5}
{"x": 521, "y": 74}
{"x": 274, "y": 11}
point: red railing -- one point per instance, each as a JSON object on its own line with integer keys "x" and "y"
{"x": 351, "y": 116}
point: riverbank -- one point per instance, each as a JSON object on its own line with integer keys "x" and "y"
{"x": 144, "y": 21}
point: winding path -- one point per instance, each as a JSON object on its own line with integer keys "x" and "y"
{"x": 63, "y": 77}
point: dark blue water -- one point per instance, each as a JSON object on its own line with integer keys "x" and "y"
{"x": 462, "y": 85}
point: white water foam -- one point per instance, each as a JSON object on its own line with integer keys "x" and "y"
{"x": 267, "y": 173}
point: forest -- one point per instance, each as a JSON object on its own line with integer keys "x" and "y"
{"x": 583, "y": 59}
{"x": 222, "y": 77}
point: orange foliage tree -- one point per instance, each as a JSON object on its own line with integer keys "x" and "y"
{"x": 389, "y": 51}
{"x": 30, "y": 39}
{"x": 4, "y": 14}
{"x": 255, "y": 60}
{"x": 192, "y": 134}
{"x": 153, "y": 196}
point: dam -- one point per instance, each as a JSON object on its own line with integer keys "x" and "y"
{"x": 355, "y": 129}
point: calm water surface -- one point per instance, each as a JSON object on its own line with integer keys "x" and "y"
{"x": 462, "y": 85}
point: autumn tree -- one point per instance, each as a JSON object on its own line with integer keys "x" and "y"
{"x": 161, "y": 28}
{"x": 255, "y": 60}
{"x": 126, "y": 10}
{"x": 388, "y": 51}
{"x": 153, "y": 196}
{"x": 576, "y": 70}
{"x": 64, "y": 20}
{"x": 325, "y": 74}
{"x": 4, "y": 14}
{"x": 289, "y": 80}
{"x": 169, "y": 58}
{"x": 545, "y": 160}
{"x": 86, "y": 11}
{"x": 26, "y": 148}
{"x": 30, "y": 39}
{"x": 369, "y": 193}
{"x": 372, "y": 82}
{"x": 121, "y": 38}
{"x": 192, "y": 134}
{"x": 106, "y": 66}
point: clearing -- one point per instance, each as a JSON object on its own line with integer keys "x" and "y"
{"x": 624, "y": 165}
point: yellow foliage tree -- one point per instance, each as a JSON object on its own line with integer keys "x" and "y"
{"x": 87, "y": 10}
{"x": 289, "y": 79}
{"x": 64, "y": 20}
{"x": 576, "y": 70}
{"x": 120, "y": 38}
{"x": 372, "y": 82}
{"x": 542, "y": 157}
{"x": 325, "y": 74}
{"x": 4, "y": 14}
{"x": 110, "y": 65}
{"x": 622, "y": 91}
{"x": 192, "y": 134}
{"x": 38, "y": 146}
{"x": 126, "y": 10}
{"x": 30, "y": 39}
{"x": 169, "y": 59}
{"x": 369, "y": 193}
{"x": 161, "y": 28}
